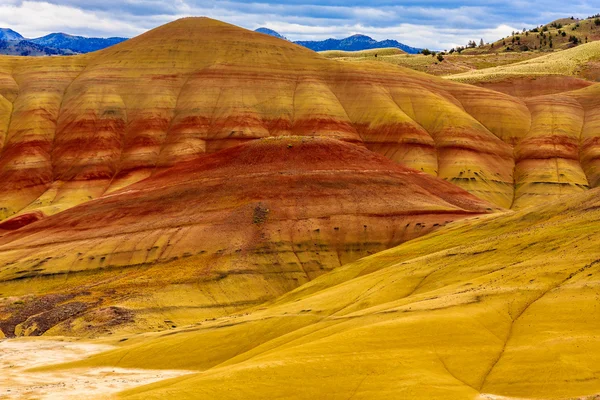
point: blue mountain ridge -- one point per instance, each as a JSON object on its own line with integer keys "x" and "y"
{"x": 13, "y": 43}
{"x": 351, "y": 43}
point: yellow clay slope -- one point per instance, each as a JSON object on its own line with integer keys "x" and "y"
{"x": 504, "y": 305}
{"x": 76, "y": 128}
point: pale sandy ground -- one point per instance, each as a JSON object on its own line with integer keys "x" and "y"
{"x": 16, "y": 356}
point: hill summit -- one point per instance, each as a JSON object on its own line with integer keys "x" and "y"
{"x": 9, "y": 34}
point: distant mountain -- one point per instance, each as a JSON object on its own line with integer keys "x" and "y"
{"x": 271, "y": 32}
{"x": 13, "y": 43}
{"x": 9, "y": 34}
{"x": 77, "y": 44}
{"x": 27, "y": 48}
{"x": 356, "y": 43}
{"x": 352, "y": 43}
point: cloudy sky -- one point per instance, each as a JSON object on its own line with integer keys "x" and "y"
{"x": 437, "y": 24}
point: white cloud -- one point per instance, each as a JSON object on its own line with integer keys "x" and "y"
{"x": 33, "y": 19}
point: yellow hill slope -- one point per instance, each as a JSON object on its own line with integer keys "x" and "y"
{"x": 505, "y": 305}
{"x": 73, "y": 129}
{"x": 215, "y": 235}
{"x": 567, "y": 62}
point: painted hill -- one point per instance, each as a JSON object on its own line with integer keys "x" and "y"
{"x": 503, "y": 307}
{"x": 237, "y": 228}
{"x": 220, "y": 201}
{"x": 82, "y": 136}
{"x": 101, "y": 124}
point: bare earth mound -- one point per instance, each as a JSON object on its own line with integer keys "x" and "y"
{"x": 215, "y": 235}
{"x": 503, "y": 306}
{"x": 75, "y": 128}
{"x": 286, "y": 225}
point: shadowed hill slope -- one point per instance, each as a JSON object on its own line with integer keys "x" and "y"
{"x": 504, "y": 306}
{"x": 217, "y": 234}
{"x": 73, "y": 129}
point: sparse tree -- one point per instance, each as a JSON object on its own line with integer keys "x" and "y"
{"x": 481, "y": 43}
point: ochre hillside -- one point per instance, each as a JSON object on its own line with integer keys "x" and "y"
{"x": 274, "y": 223}
{"x": 216, "y": 234}
{"x": 79, "y": 127}
{"x": 502, "y": 306}
{"x": 101, "y": 157}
